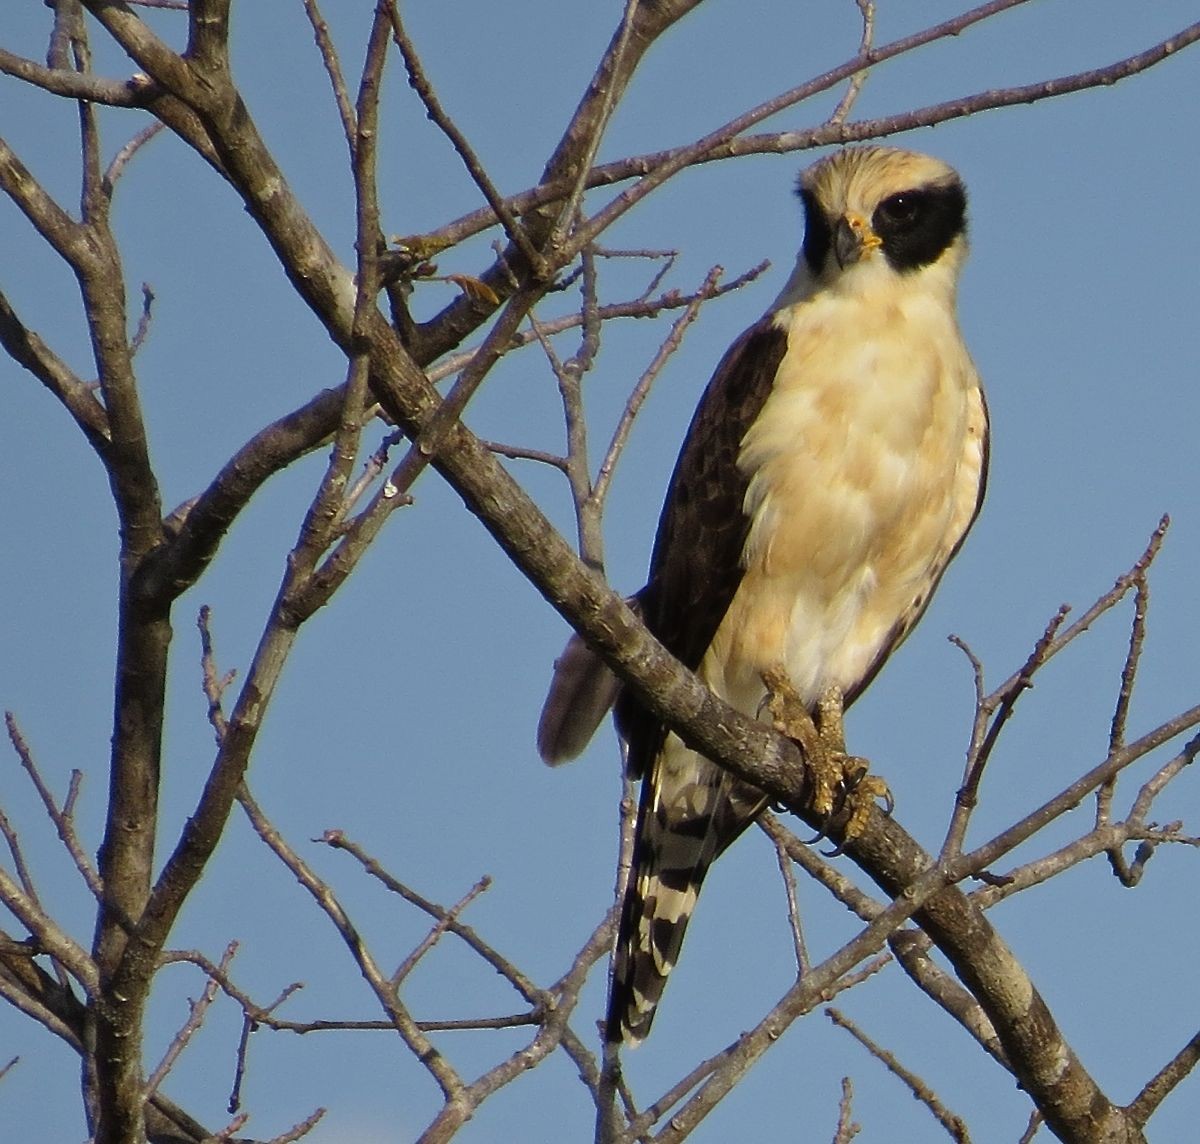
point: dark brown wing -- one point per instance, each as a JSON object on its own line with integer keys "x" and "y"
{"x": 696, "y": 565}
{"x": 686, "y": 818}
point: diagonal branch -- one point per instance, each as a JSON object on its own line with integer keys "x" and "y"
{"x": 750, "y": 751}
{"x": 1164, "y": 1082}
{"x": 69, "y": 83}
{"x": 727, "y": 136}
{"x": 420, "y": 83}
{"x": 422, "y": 1048}
{"x": 951, "y": 1122}
{"x": 607, "y": 86}
{"x": 787, "y": 142}
{"x": 27, "y": 349}
{"x": 197, "y": 527}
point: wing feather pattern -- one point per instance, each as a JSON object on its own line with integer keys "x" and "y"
{"x": 695, "y": 568}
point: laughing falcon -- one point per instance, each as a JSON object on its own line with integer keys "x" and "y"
{"x": 834, "y": 465}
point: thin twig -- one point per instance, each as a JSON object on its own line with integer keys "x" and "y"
{"x": 952, "y": 1123}
{"x": 439, "y": 928}
{"x": 843, "y": 890}
{"x": 265, "y": 1014}
{"x": 588, "y": 514}
{"x": 1163, "y": 1083}
{"x": 999, "y": 712}
{"x": 793, "y": 909}
{"x": 609, "y": 97}
{"x": 249, "y": 1025}
{"x": 524, "y": 986}
{"x": 9, "y": 834}
{"x": 300, "y": 1130}
{"x": 420, "y": 83}
{"x": 63, "y": 818}
{"x": 640, "y": 307}
{"x": 197, "y": 1011}
{"x": 214, "y": 686}
{"x": 1158, "y": 782}
{"x": 1116, "y": 734}
{"x": 640, "y": 391}
{"x": 994, "y": 710}
{"x": 143, "y": 326}
{"x": 846, "y": 1128}
{"x": 1031, "y": 1129}
{"x": 225, "y": 1135}
{"x": 654, "y": 1112}
{"x": 866, "y": 9}
{"x": 1098, "y": 840}
{"x": 522, "y": 453}
{"x": 121, "y": 159}
{"x": 666, "y": 257}
{"x": 333, "y": 68}
{"x": 440, "y": 1069}
{"x": 552, "y": 1028}
{"x": 372, "y": 468}
{"x": 786, "y": 142}
{"x": 983, "y": 856}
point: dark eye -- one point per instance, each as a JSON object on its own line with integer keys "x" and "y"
{"x": 899, "y": 211}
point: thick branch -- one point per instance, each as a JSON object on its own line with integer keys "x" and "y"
{"x": 569, "y": 159}
{"x": 199, "y": 526}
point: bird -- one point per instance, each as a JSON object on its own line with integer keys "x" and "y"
{"x": 832, "y": 469}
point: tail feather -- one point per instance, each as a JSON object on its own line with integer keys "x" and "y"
{"x": 581, "y": 693}
{"x": 691, "y": 811}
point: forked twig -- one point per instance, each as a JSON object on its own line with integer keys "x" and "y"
{"x": 62, "y": 817}
{"x": 197, "y": 1011}
{"x": 439, "y": 928}
{"x": 951, "y": 1122}
{"x": 866, "y": 9}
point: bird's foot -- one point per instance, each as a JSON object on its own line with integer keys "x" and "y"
{"x": 841, "y": 781}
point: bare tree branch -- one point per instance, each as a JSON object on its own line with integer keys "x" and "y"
{"x": 333, "y": 67}
{"x": 1180, "y": 1066}
{"x": 419, "y": 82}
{"x": 62, "y": 817}
{"x": 951, "y": 1122}
{"x": 419, "y": 1045}
{"x": 391, "y": 368}
{"x": 198, "y": 1010}
{"x": 846, "y": 1128}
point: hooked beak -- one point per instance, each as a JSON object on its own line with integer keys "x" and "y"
{"x": 853, "y": 239}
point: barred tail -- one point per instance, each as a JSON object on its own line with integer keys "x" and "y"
{"x": 691, "y": 810}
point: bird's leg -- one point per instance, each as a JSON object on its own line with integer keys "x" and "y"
{"x": 860, "y": 790}
{"x": 840, "y": 780}
{"x": 791, "y": 717}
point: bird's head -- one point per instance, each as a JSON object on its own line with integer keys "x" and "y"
{"x": 879, "y": 213}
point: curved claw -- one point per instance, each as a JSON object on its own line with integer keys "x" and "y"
{"x": 822, "y": 833}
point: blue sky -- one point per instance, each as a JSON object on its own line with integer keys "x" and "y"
{"x": 406, "y": 715}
